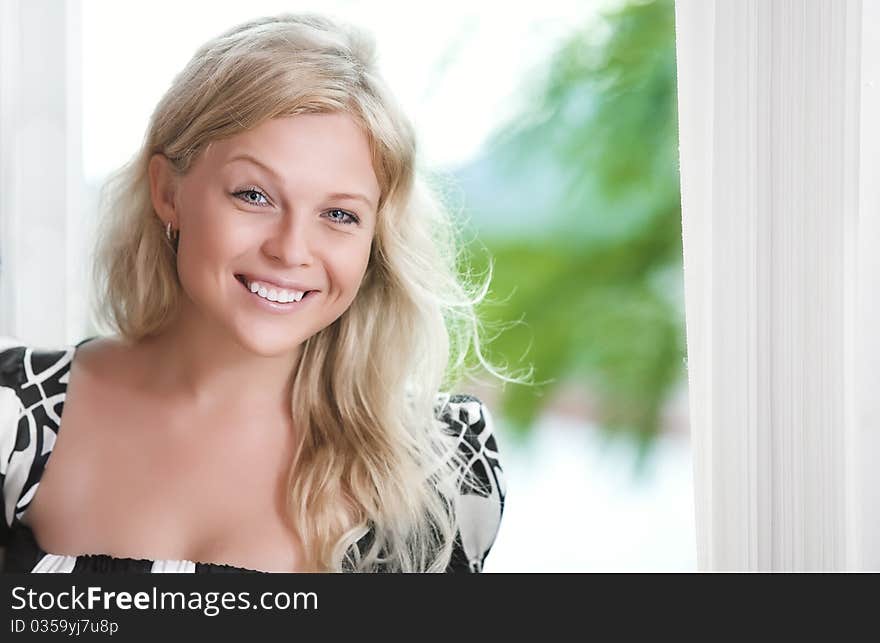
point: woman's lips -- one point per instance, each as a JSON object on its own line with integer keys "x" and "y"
{"x": 274, "y": 306}
{"x": 268, "y": 283}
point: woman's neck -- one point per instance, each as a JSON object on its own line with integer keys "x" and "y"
{"x": 205, "y": 367}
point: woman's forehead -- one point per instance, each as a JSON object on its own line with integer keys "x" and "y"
{"x": 327, "y": 147}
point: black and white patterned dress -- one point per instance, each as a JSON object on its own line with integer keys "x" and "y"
{"x": 33, "y": 385}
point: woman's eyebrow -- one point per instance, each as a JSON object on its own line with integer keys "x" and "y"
{"x": 356, "y": 196}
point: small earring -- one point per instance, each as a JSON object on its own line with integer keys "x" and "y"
{"x": 172, "y": 236}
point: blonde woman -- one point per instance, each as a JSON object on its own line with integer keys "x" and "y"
{"x": 280, "y": 292}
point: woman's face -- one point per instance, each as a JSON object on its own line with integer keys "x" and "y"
{"x": 288, "y": 206}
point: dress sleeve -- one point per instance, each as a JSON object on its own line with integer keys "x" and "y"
{"x": 10, "y": 412}
{"x": 480, "y": 502}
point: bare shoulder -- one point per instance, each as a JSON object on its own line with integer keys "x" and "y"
{"x": 108, "y": 359}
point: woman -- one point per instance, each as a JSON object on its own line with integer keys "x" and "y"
{"x": 281, "y": 289}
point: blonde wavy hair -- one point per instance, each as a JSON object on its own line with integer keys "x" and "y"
{"x": 374, "y": 457}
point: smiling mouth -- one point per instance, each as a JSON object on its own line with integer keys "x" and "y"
{"x": 243, "y": 281}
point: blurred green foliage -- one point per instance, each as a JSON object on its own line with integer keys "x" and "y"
{"x": 595, "y": 278}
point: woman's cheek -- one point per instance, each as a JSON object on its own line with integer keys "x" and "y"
{"x": 226, "y": 234}
{"x": 356, "y": 269}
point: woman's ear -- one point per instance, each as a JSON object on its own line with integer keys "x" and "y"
{"x": 163, "y": 187}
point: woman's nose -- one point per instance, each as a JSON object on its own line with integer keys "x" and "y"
{"x": 291, "y": 241}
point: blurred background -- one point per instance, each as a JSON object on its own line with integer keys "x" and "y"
{"x": 554, "y": 130}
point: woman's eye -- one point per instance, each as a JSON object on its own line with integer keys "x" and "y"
{"x": 256, "y": 197}
{"x": 252, "y": 196}
{"x": 351, "y": 218}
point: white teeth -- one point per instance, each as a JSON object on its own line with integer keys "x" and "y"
{"x": 275, "y": 294}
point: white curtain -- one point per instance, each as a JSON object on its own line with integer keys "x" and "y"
{"x": 778, "y": 111}
{"x": 43, "y": 251}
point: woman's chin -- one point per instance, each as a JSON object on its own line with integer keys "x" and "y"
{"x": 269, "y": 346}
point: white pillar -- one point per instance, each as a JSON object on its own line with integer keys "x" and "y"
{"x": 41, "y": 244}
{"x": 866, "y": 335}
{"x": 780, "y": 235}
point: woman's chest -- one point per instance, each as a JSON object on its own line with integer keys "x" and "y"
{"x": 120, "y": 483}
